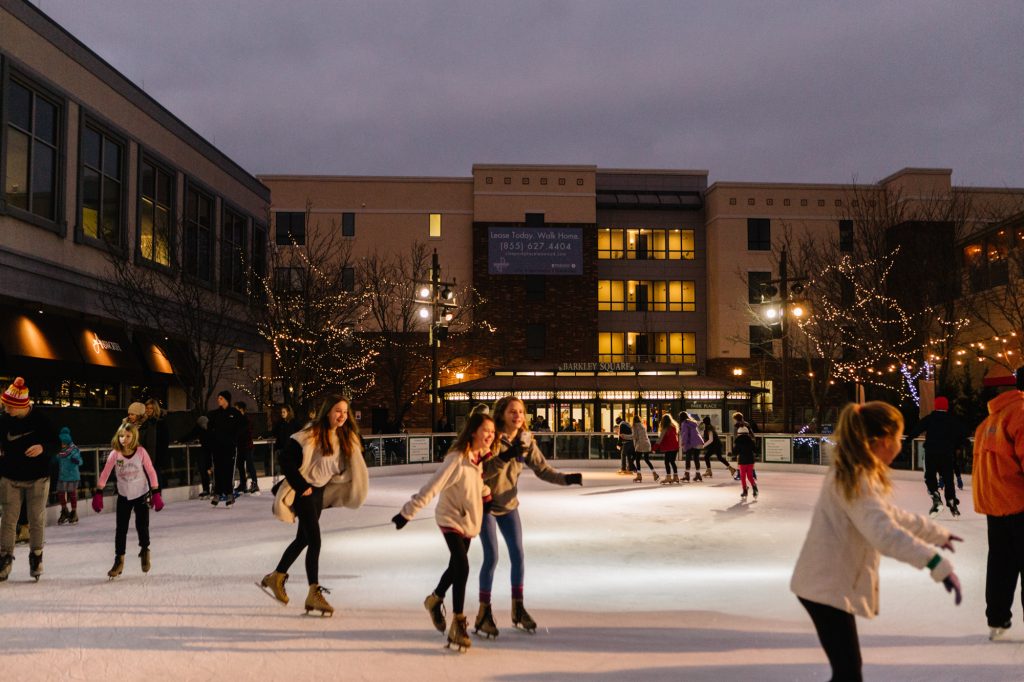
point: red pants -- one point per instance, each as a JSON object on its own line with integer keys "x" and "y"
{"x": 747, "y": 471}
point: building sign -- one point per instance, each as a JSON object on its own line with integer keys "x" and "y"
{"x": 535, "y": 251}
{"x": 99, "y": 345}
{"x": 778, "y": 449}
{"x": 597, "y": 367}
{"x": 419, "y": 450}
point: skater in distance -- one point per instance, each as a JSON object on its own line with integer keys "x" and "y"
{"x": 944, "y": 435}
{"x": 853, "y": 523}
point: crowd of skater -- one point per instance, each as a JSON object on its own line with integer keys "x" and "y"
{"x": 835, "y": 578}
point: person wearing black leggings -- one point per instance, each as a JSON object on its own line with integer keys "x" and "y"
{"x": 713, "y": 448}
{"x": 837, "y": 632}
{"x": 668, "y": 442}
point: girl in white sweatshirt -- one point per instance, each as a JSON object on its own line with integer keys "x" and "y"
{"x": 854, "y": 522}
{"x": 459, "y": 514}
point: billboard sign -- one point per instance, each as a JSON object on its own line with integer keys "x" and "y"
{"x": 535, "y": 251}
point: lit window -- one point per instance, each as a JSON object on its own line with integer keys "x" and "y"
{"x": 435, "y": 225}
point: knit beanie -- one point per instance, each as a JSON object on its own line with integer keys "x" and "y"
{"x": 226, "y": 395}
{"x": 941, "y": 403}
{"x": 138, "y": 409}
{"x": 65, "y": 436}
{"x": 16, "y": 395}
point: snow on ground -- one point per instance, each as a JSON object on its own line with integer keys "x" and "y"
{"x": 627, "y": 581}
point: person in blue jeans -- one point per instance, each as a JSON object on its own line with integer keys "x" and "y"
{"x": 516, "y": 449}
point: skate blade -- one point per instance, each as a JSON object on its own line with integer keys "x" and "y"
{"x": 461, "y": 648}
{"x": 529, "y": 631}
{"x": 270, "y": 594}
{"x": 323, "y": 614}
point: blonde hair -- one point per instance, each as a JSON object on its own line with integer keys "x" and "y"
{"x": 498, "y": 412}
{"x": 464, "y": 440}
{"x": 858, "y": 428}
{"x": 157, "y": 410}
{"x": 126, "y": 450}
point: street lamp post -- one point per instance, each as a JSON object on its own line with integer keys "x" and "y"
{"x": 783, "y": 292}
{"x": 438, "y": 300}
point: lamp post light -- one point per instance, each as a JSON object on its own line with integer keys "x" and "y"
{"x": 438, "y": 299}
{"x": 779, "y": 313}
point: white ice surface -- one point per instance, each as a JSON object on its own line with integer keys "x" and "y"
{"x": 627, "y": 582}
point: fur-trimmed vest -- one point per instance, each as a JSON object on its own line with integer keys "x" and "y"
{"x": 347, "y": 489}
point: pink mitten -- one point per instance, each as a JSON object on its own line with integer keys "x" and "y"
{"x": 97, "y": 501}
{"x": 158, "y": 502}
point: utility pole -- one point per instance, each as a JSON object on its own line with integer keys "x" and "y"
{"x": 783, "y": 291}
{"x": 438, "y": 300}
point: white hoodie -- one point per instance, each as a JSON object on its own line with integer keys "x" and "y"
{"x": 460, "y": 483}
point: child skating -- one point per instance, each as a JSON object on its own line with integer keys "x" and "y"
{"x": 854, "y": 522}
{"x": 136, "y": 477}
{"x": 746, "y": 453}
{"x": 69, "y": 460}
{"x": 459, "y": 514}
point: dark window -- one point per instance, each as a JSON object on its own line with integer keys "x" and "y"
{"x": 102, "y": 197}
{"x": 536, "y": 288}
{"x": 232, "y": 252}
{"x": 847, "y": 292}
{"x": 760, "y": 340}
{"x": 756, "y": 284}
{"x": 535, "y": 341}
{"x": 846, "y": 235}
{"x": 259, "y": 260}
{"x": 156, "y": 199}
{"x": 288, "y": 280}
{"x": 535, "y": 220}
{"x": 32, "y": 166}
{"x": 348, "y": 224}
{"x": 759, "y": 234}
{"x": 197, "y": 237}
{"x": 291, "y": 227}
{"x": 348, "y": 279}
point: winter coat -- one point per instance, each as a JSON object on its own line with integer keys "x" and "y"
{"x": 245, "y": 435}
{"x": 745, "y": 448}
{"x": 690, "y": 436}
{"x": 668, "y": 442}
{"x": 17, "y": 434}
{"x": 712, "y": 441}
{"x": 838, "y": 564}
{"x": 462, "y": 490}
{"x": 502, "y": 478}
{"x": 626, "y": 438}
{"x": 283, "y": 431}
{"x": 347, "y": 489}
{"x": 641, "y": 441}
{"x": 944, "y": 433}
{"x": 69, "y": 459}
{"x": 998, "y": 469}
{"x": 224, "y": 425}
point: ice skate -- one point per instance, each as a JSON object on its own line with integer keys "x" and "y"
{"x": 686, "y": 477}
{"x": 458, "y": 635}
{"x": 117, "y": 568}
{"x": 743, "y": 496}
{"x": 521, "y": 619}
{"x": 73, "y": 517}
{"x": 205, "y": 495}
{"x": 273, "y": 585}
{"x": 485, "y": 622}
{"x": 959, "y": 482}
{"x": 732, "y": 471}
{"x": 656, "y": 476}
{"x": 755, "y": 492}
{"x": 998, "y": 633}
{"x": 5, "y": 566}
{"x": 145, "y": 560}
{"x": 639, "y": 478}
{"x": 954, "y": 508}
{"x": 696, "y": 477}
{"x": 707, "y": 474}
{"x": 214, "y": 499}
{"x": 315, "y": 601}
{"x": 35, "y": 564}
{"x": 229, "y": 501}
{"x": 63, "y": 517}
{"x": 667, "y": 480}
{"x": 239, "y": 490}
{"x": 936, "y": 505}
{"x": 253, "y": 489}
{"x": 435, "y": 607}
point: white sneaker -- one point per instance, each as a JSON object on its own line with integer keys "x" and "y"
{"x": 997, "y": 634}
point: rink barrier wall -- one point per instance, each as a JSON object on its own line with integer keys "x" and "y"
{"x": 405, "y": 454}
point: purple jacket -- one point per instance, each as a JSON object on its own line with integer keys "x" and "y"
{"x": 689, "y": 437}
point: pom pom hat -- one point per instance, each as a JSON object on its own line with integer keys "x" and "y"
{"x": 16, "y": 395}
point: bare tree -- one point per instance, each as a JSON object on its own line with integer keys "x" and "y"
{"x": 308, "y": 307}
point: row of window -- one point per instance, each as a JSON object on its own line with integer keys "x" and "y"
{"x": 290, "y": 227}
{"x": 759, "y": 234}
{"x": 644, "y": 244}
{"x": 666, "y": 347}
{"x": 986, "y": 258}
{"x": 751, "y": 201}
{"x": 33, "y": 121}
{"x": 646, "y": 295}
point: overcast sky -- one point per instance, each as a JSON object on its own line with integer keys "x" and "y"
{"x": 767, "y": 91}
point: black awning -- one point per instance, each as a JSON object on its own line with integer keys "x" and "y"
{"x": 157, "y": 356}
{"x": 36, "y": 345}
{"x": 104, "y": 346}
{"x": 650, "y": 200}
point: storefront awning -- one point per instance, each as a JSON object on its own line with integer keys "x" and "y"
{"x": 633, "y": 387}
{"x": 157, "y": 356}
{"x": 104, "y": 346}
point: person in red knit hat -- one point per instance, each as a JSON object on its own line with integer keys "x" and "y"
{"x": 28, "y": 443}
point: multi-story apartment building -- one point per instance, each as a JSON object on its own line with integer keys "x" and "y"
{"x": 93, "y": 168}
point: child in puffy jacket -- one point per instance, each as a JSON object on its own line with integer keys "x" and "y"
{"x": 136, "y": 477}
{"x": 69, "y": 459}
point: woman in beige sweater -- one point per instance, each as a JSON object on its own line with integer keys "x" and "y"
{"x": 854, "y": 522}
{"x": 459, "y": 513}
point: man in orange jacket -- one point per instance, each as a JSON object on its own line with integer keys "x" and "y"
{"x": 998, "y": 489}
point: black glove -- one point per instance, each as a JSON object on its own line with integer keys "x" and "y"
{"x": 514, "y": 450}
{"x": 399, "y": 521}
{"x": 574, "y": 479}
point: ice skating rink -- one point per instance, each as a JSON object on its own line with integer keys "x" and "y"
{"x": 627, "y": 582}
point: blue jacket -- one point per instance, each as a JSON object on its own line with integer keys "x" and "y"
{"x": 69, "y": 459}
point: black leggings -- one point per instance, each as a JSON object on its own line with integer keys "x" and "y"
{"x": 457, "y": 573}
{"x": 693, "y": 454}
{"x": 670, "y": 463}
{"x": 717, "y": 455}
{"x": 646, "y": 456}
{"x": 307, "y": 509}
{"x": 837, "y": 632}
{"x": 125, "y": 507}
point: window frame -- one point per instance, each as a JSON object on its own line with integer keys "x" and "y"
{"x": 87, "y": 119}
{"x": 192, "y": 185}
{"x": 277, "y": 228}
{"x": 227, "y": 207}
{"x": 759, "y": 234}
{"x": 9, "y": 74}
{"x": 159, "y": 166}
{"x": 260, "y": 260}
{"x": 348, "y": 224}
{"x": 430, "y": 226}
{"x": 846, "y": 236}
{"x": 536, "y": 351}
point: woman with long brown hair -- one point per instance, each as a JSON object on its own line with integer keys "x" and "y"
{"x": 323, "y": 467}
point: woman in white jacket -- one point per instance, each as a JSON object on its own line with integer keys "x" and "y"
{"x": 854, "y": 522}
{"x": 459, "y": 514}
